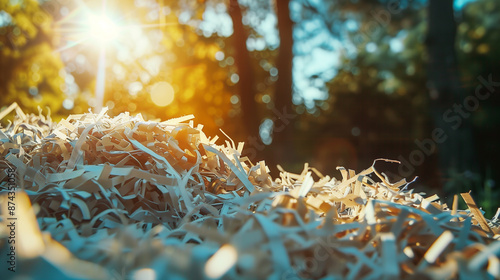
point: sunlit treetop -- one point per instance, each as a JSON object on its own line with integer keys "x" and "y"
{"x": 30, "y": 71}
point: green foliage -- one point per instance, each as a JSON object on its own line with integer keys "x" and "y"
{"x": 29, "y": 67}
{"x": 482, "y": 188}
{"x": 384, "y": 92}
{"x": 477, "y": 42}
{"x": 478, "y": 36}
{"x": 381, "y": 86}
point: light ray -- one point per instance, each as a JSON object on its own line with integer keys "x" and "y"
{"x": 100, "y": 83}
{"x": 70, "y": 45}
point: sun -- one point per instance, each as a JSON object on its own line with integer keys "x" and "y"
{"x": 101, "y": 28}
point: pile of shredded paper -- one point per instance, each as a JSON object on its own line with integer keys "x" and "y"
{"x": 123, "y": 198}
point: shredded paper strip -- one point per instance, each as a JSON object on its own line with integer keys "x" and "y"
{"x": 124, "y": 198}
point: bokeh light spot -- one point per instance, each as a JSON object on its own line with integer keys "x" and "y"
{"x": 68, "y": 104}
{"x": 235, "y": 78}
{"x": 266, "y": 98}
{"x": 266, "y": 131}
{"x": 134, "y": 88}
{"x": 162, "y": 94}
{"x": 371, "y": 47}
{"x": 483, "y": 48}
{"x": 235, "y": 99}
{"x": 35, "y": 77}
{"x": 110, "y": 104}
{"x": 33, "y": 91}
{"x": 355, "y": 131}
{"x": 273, "y": 71}
{"x": 219, "y": 56}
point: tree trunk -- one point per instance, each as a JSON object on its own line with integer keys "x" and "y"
{"x": 456, "y": 153}
{"x": 283, "y": 111}
{"x": 246, "y": 82}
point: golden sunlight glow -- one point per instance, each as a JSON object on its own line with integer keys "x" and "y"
{"x": 144, "y": 274}
{"x": 162, "y": 94}
{"x": 30, "y": 239}
{"x": 101, "y": 28}
{"x": 221, "y": 261}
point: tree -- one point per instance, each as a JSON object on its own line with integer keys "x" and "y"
{"x": 477, "y": 60}
{"x": 377, "y": 100}
{"x": 31, "y": 73}
{"x": 457, "y": 153}
{"x": 283, "y": 131}
{"x": 246, "y": 84}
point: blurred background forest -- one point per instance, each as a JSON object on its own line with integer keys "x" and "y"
{"x": 332, "y": 83}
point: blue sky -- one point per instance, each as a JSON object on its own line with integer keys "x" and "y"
{"x": 458, "y": 4}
